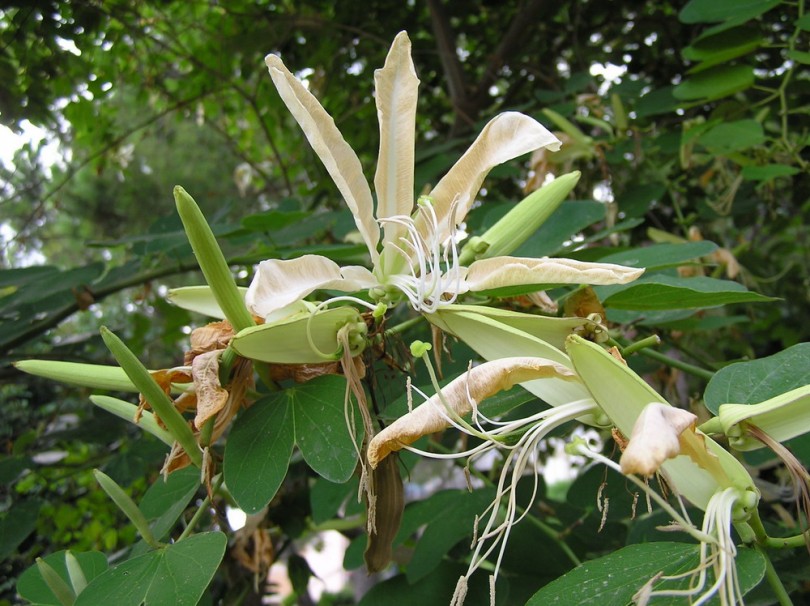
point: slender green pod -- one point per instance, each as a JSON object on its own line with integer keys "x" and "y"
{"x": 212, "y": 262}
{"x": 154, "y": 394}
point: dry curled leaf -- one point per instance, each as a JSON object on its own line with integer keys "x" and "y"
{"x": 460, "y": 396}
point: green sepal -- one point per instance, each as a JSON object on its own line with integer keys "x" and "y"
{"x": 304, "y": 338}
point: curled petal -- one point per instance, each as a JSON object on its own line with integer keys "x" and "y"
{"x": 337, "y": 156}
{"x": 655, "y": 438}
{"x": 505, "y": 272}
{"x": 458, "y": 398}
{"x": 507, "y": 136}
{"x": 278, "y": 283}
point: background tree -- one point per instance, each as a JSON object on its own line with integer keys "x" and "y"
{"x": 702, "y": 136}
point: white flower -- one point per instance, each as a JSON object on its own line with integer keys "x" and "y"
{"x": 417, "y": 259}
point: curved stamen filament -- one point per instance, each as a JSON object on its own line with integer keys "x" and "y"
{"x": 434, "y": 276}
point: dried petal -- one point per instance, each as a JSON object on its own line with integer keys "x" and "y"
{"x": 211, "y": 397}
{"x": 461, "y": 395}
{"x": 655, "y": 438}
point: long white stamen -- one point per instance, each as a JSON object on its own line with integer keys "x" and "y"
{"x": 434, "y": 277}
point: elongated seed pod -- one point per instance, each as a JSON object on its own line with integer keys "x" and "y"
{"x": 388, "y": 505}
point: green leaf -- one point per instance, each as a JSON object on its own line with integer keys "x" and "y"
{"x": 722, "y": 47}
{"x": 258, "y": 452}
{"x": 177, "y": 574}
{"x": 32, "y": 587}
{"x": 612, "y": 580}
{"x": 803, "y": 22}
{"x": 165, "y": 501}
{"x": 320, "y": 427}
{"x": 768, "y": 172}
{"x": 659, "y": 291}
{"x": 435, "y": 589}
{"x": 446, "y": 528}
{"x": 16, "y": 524}
{"x": 715, "y": 83}
{"x": 326, "y": 498}
{"x": 799, "y": 56}
{"x": 733, "y": 136}
{"x": 659, "y": 256}
{"x": 569, "y": 219}
{"x": 712, "y": 11}
{"x": 759, "y": 380}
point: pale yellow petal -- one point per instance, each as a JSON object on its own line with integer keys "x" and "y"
{"x": 337, "y": 156}
{"x": 279, "y": 283}
{"x": 503, "y": 272}
{"x": 493, "y": 339}
{"x": 459, "y": 396}
{"x": 655, "y": 438}
{"x": 504, "y": 138}
{"x": 396, "y": 88}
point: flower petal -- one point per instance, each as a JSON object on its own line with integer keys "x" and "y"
{"x": 337, "y": 156}
{"x": 396, "y": 87}
{"x": 460, "y": 395}
{"x": 494, "y": 339}
{"x": 655, "y": 438}
{"x": 278, "y": 283}
{"x": 505, "y": 137}
{"x": 504, "y": 272}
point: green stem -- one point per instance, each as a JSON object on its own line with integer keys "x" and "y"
{"x": 773, "y": 579}
{"x": 201, "y": 509}
{"x": 679, "y": 364}
{"x": 403, "y": 326}
{"x": 650, "y": 341}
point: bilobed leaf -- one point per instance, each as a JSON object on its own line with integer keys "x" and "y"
{"x": 712, "y": 11}
{"x": 667, "y": 292}
{"x": 320, "y": 427}
{"x": 258, "y": 452}
{"x": 32, "y": 587}
{"x": 177, "y": 574}
{"x": 613, "y": 579}
{"x": 759, "y": 380}
{"x": 715, "y": 83}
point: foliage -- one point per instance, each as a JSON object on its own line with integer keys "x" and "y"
{"x": 693, "y": 166}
